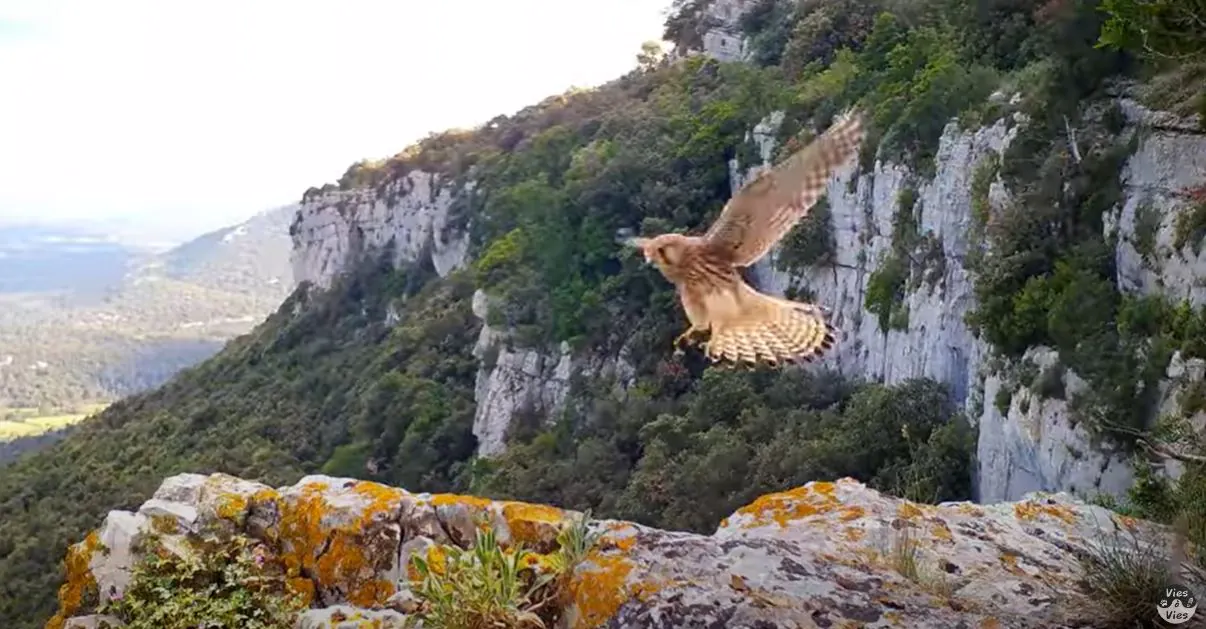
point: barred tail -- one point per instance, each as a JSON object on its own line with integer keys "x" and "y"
{"x": 773, "y": 330}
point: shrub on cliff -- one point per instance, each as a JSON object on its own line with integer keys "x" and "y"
{"x": 489, "y": 585}
{"x": 219, "y": 582}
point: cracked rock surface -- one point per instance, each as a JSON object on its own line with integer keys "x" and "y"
{"x": 827, "y": 554}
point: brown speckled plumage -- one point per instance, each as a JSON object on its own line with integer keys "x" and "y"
{"x": 747, "y": 325}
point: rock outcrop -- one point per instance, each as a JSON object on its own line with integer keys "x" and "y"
{"x": 821, "y": 555}
{"x": 335, "y": 228}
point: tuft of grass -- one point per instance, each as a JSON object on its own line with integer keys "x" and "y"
{"x": 1125, "y": 580}
{"x": 904, "y": 558}
{"x": 904, "y": 553}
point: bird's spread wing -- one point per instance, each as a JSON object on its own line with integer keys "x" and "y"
{"x": 765, "y": 209}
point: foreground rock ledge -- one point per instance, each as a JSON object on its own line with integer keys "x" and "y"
{"x": 822, "y": 555}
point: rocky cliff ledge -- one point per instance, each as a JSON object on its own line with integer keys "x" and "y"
{"x": 828, "y": 554}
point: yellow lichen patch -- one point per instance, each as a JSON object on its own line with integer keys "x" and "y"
{"x": 599, "y": 589}
{"x": 1029, "y": 510}
{"x": 447, "y": 500}
{"x": 346, "y": 563}
{"x": 795, "y": 504}
{"x": 301, "y": 586}
{"x": 232, "y": 507}
{"x": 436, "y": 560}
{"x": 941, "y": 531}
{"x": 892, "y": 617}
{"x": 620, "y": 535}
{"x": 80, "y": 583}
{"x": 824, "y": 488}
{"x": 908, "y": 510}
{"x": 1010, "y": 563}
{"x": 645, "y": 590}
{"x": 532, "y": 524}
{"x": 854, "y": 534}
{"x": 852, "y": 513}
{"x": 345, "y": 551}
{"x": 382, "y": 498}
{"x": 968, "y": 508}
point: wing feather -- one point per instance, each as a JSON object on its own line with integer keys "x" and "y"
{"x": 767, "y": 207}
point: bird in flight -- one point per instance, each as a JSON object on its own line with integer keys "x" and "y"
{"x": 747, "y": 325}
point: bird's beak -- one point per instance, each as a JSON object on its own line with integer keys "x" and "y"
{"x": 640, "y": 244}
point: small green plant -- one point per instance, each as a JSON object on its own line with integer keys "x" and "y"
{"x": 1147, "y": 224}
{"x": 885, "y": 291}
{"x": 492, "y": 586}
{"x": 1190, "y": 228}
{"x": 222, "y": 583}
{"x": 1049, "y": 384}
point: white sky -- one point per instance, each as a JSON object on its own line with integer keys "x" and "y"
{"x": 212, "y": 110}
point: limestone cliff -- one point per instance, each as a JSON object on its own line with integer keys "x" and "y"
{"x": 1029, "y": 447}
{"x": 821, "y": 555}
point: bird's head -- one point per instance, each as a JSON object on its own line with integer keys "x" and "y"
{"x": 665, "y": 250}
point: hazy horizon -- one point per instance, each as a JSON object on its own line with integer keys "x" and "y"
{"x": 190, "y": 118}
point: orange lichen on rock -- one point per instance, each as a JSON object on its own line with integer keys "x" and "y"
{"x": 303, "y": 587}
{"x": 80, "y": 582}
{"x": 533, "y": 524}
{"x": 1029, "y": 510}
{"x": 346, "y": 551}
{"x": 783, "y": 507}
{"x": 1127, "y": 522}
{"x": 908, "y": 510}
{"x": 852, "y": 513}
{"x": 599, "y": 588}
{"x": 854, "y": 534}
{"x": 1010, "y": 562}
{"x": 447, "y": 500}
{"x": 232, "y": 507}
{"x": 620, "y": 535}
{"x": 968, "y": 508}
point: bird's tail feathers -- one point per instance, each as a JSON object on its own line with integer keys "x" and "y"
{"x": 773, "y": 330}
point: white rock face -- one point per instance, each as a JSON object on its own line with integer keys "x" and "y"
{"x": 1166, "y": 174}
{"x": 724, "y": 41}
{"x": 1034, "y": 446}
{"x": 937, "y": 343}
{"x": 336, "y": 228}
{"x": 514, "y": 381}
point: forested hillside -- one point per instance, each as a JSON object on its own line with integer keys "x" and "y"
{"x": 86, "y": 338}
{"x": 375, "y": 377}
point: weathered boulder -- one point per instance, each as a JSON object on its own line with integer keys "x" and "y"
{"x": 827, "y": 554}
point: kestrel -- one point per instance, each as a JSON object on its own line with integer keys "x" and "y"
{"x": 747, "y": 325}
